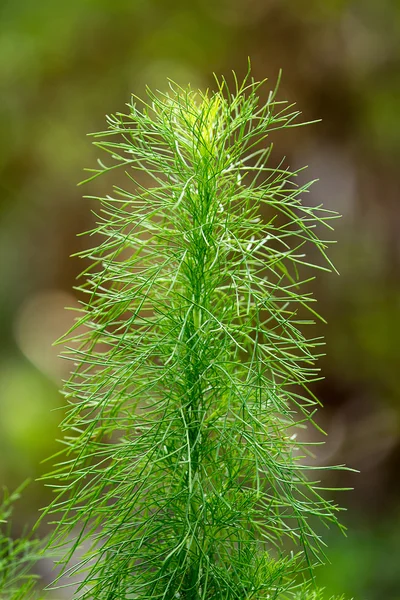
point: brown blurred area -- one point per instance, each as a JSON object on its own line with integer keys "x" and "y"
{"x": 64, "y": 65}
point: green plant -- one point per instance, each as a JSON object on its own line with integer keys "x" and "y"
{"x": 182, "y": 474}
{"x": 17, "y": 556}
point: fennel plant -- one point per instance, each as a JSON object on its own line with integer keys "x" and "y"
{"x": 182, "y": 475}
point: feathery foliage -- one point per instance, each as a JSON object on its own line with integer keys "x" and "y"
{"x": 182, "y": 475}
{"x": 310, "y": 594}
{"x": 17, "y": 557}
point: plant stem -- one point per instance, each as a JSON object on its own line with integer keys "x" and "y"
{"x": 195, "y": 413}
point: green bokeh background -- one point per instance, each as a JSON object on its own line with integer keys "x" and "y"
{"x": 64, "y": 65}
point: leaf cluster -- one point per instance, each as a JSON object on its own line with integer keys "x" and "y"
{"x": 17, "y": 557}
{"x": 184, "y": 474}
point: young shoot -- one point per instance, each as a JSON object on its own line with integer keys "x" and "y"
{"x": 185, "y": 473}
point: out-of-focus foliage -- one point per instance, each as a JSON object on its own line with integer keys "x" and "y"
{"x": 17, "y": 557}
{"x": 63, "y": 65}
{"x": 311, "y": 594}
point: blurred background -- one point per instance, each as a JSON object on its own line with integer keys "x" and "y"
{"x": 64, "y": 65}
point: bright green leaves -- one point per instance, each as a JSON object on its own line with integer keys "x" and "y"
{"x": 183, "y": 472}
